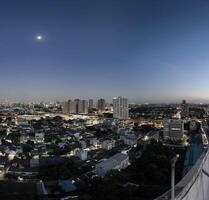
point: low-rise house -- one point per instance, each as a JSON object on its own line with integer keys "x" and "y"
{"x": 117, "y": 162}
{"x": 108, "y": 144}
{"x": 24, "y": 138}
{"x": 129, "y": 139}
{"x": 39, "y": 137}
{"x": 93, "y": 141}
{"x": 82, "y": 154}
{"x": 83, "y": 144}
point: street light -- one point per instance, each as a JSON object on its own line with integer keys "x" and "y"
{"x": 173, "y": 163}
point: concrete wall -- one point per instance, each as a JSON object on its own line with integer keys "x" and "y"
{"x": 195, "y": 184}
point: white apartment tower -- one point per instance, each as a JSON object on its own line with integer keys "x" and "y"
{"x": 120, "y": 108}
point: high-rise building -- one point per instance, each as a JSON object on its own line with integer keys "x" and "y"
{"x": 91, "y": 103}
{"x": 69, "y": 107}
{"x": 101, "y": 104}
{"x": 184, "y": 109}
{"x": 75, "y": 107}
{"x": 84, "y": 104}
{"x": 120, "y": 108}
{"x": 78, "y": 106}
{"x": 81, "y": 106}
{"x": 65, "y": 109}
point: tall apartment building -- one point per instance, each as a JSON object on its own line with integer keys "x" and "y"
{"x": 101, "y": 104}
{"x": 91, "y": 103}
{"x": 120, "y": 108}
{"x": 69, "y": 107}
{"x": 78, "y": 105}
{"x": 65, "y": 109}
{"x": 84, "y": 104}
{"x": 81, "y": 106}
{"x": 75, "y": 107}
{"x": 184, "y": 109}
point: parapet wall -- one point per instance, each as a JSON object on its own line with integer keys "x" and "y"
{"x": 195, "y": 184}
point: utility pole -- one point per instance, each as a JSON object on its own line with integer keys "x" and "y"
{"x": 173, "y": 164}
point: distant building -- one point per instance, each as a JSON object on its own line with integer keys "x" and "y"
{"x": 184, "y": 109}
{"x": 81, "y": 106}
{"x": 173, "y": 129}
{"x": 129, "y": 139}
{"x": 65, "y": 109}
{"x": 39, "y": 137}
{"x": 120, "y": 108}
{"x": 91, "y": 103}
{"x": 84, "y": 106}
{"x": 24, "y": 138}
{"x": 82, "y": 154}
{"x": 78, "y": 106}
{"x": 108, "y": 144}
{"x": 69, "y": 107}
{"x": 83, "y": 144}
{"x": 93, "y": 141}
{"x": 75, "y": 107}
{"x": 117, "y": 162}
{"x": 101, "y": 104}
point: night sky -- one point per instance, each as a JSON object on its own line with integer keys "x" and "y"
{"x": 146, "y": 50}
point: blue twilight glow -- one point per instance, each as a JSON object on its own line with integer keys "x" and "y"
{"x": 147, "y": 50}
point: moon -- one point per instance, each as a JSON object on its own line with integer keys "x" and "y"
{"x": 39, "y": 37}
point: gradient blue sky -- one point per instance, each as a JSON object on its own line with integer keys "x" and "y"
{"x": 147, "y": 50}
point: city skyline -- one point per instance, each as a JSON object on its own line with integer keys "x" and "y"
{"x": 104, "y": 99}
{"x": 107, "y": 100}
{"x": 149, "y": 51}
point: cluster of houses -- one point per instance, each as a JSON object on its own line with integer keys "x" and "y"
{"x": 25, "y": 142}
